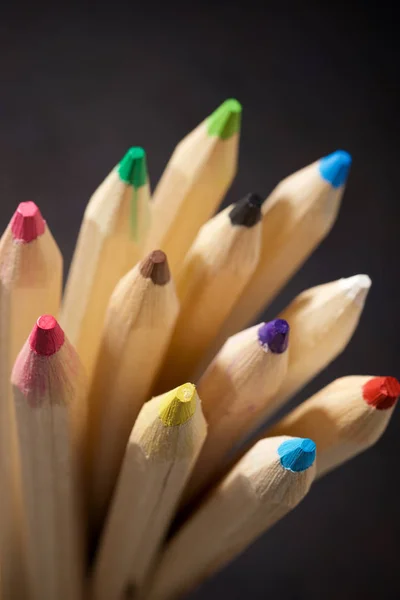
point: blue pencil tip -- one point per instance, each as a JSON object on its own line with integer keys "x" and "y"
{"x": 297, "y": 454}
{"x": 335, "y": 167}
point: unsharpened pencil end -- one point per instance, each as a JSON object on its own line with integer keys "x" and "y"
{"x": 335, "y": 167}
{"x": 47, "y": 337}
{"x": 274, "y": 336}
{"x": 133, "y": 167}
{"x": 155, "y": 267}
{"x": 357, "y": 288}
{"x": 178, "y": 405}
{"x": 381, "y": 392}
{"x": 27, "y": 223}
{"x": 224, "y": 122}
{"x": 247, "y": 212}
{"x": 297, "y": 454}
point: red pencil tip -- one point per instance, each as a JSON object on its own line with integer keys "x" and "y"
{"x": 27, "y": 222}
{"x": 47, "y": 337}
{"x": 381, "y": 392}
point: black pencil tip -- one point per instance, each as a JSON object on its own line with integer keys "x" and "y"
{"x": 247, "y": 212}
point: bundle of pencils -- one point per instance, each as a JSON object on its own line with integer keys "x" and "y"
{"x": 126, "y": 411}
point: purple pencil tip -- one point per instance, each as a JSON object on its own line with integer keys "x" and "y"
{"x": 274, "y": 335}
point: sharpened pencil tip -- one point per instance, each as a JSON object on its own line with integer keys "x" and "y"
{"x": 357, "y": 288}
{"x": 224, "y": 122}
{"x": 27, "y": 223}
{"x": 133, "y": 167}
{"x": 155, "y": 267}
{"x": 247, "y": 212}
{"x": 381, "y": 392}
{"x": 335, "y": 167}
{"x": 178, "y": 405}
{"x": 274, "y": 336}
{"x": 46, "y": 337}
{"x": 297, "y": 454}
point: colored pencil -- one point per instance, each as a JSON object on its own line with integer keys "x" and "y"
{"x": 216, "y": 269}
{"x": 50, "y": 409}
{"x": 30, "y": 283}
{"x": 297, "y": 216}
{"x": 269, "y": 481}
{"x": 345, "y": 418}
{"x": 109, "y": 244}
{"x": 140, "y": 318}
{"x": 237, "y": 390}
{"x": 323, "y": 320}
{"x": 161, "y": 451}
{"x": 194, "y": 182}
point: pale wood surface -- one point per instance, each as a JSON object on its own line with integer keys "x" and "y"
{"x": 139, "y": 322}
{"x": 30, "y": 284}
{"x": 50, "y": 404}
{"x": 157, "y": 462}
{"x": 192, "y": 186}
{"x": 339, "y": 421}
{"x": 105, "y": 251}
{"x": 237, "y": 390}
{"x": 297, "y": 215}
{"x": 252, "y": 497}
{"x": 323, "y": 320}
{"x": 217, "y": 267}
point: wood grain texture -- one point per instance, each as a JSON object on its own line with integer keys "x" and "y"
{"x": 104, "y": 252}
{"x": 160, "y": 454}
{"x": 192, "y": 186}
{"x": 323, "y": 320}
{"x": 30, "y": 284}
{"x": 253, "y": 496}
{"x": 297, "y": 215}
{"x": 139, "y": 323}
{"x": 50, "y": 408}
{"x": 237, "y": 390}
{"x": 216, "y": 269}
{"x": 340, "y": 421}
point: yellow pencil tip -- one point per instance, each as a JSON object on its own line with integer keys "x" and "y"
{"x": 178, "y": 405}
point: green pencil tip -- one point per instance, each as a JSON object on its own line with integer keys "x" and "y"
{"x": 133, "y": 167}
{"x": 225, "y": 120}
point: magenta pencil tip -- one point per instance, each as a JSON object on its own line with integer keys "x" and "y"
{"x": 27, "y": 223}
{"x": 47, "y": 337}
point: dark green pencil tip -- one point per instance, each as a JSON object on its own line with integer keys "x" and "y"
{"x": 225, "y": 120}
{"x": 133, "y": 167}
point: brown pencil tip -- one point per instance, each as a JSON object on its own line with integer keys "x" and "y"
{"x": 155, "y": 267}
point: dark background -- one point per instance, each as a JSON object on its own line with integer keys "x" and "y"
{"x": 80, "y": 85}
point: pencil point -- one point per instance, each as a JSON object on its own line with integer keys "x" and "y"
{"x": 133, "y": 167}
{"x": 27, "y": 223}
{"x": 155, "y": 267}
{"x": 225, "y": 120}
{"x": 247, "y": 212}
{"x": 47, "y": 337}
{"x": 178, "y": 405}
{"x": 335, "y": 167}
{"x": 381, "y": 392}
{"x": 297, "y": 454}
{"x": 274, "y": 336}
{"x": 357, "y": 288}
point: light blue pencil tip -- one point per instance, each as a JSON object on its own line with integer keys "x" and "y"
{"x": 297, "y": 454}
{"x": 335, "y": 167}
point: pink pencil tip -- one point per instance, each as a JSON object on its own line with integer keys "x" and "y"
{"x": 27, "y": 222}
{"x": 47, "y": 337}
